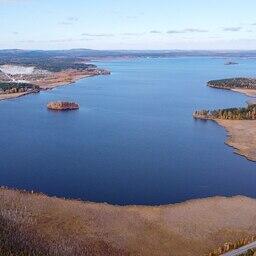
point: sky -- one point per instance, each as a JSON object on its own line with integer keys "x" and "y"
{"x": 128, "y": 24}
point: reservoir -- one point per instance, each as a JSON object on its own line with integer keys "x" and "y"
{"x": 133, "y": 140}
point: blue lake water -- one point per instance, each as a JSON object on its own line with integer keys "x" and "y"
{"x": 133, "y": 141}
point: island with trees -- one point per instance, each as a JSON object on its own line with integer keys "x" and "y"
{"x": 62, "y": 106}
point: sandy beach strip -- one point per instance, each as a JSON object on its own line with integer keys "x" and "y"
{"x": 14, "y": 95}
{"x": 248, "y": 92}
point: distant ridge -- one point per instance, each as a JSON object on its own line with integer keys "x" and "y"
{"x": 90, "y": 53}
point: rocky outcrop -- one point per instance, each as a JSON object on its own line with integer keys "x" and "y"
{"x": 62, "y": 106}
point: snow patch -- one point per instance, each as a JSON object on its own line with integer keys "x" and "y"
{"x": 17, "y": 70}
{"x": 14, "y": 70}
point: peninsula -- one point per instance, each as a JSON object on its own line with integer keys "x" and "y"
{"x": 240, "y": 124}
{"x": 240, "y": 84}
{"x": 16, "y": 89}
{"x": 35, "y": 224}
{"x": 247, "y": 113}
{"x": 22, "y": 76}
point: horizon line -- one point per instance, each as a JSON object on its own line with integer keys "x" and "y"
{"x": 131, "y": 50}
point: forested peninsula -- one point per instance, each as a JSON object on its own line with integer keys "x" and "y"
{"x": 233, "y": 83}
{"x": 246, "y": 113}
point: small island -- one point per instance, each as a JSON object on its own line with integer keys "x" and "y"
{"x": 231, "y": 63}
{"x": 62, "y": 106}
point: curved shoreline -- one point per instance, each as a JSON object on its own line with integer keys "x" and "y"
{"x": 49, "y": 86}
{"x": 50, "y": 225}
{"x": 241, "y": 137}
{"x": 241, "y": 130}
{"x": 247, "y": 92}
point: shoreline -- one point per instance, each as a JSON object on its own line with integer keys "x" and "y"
{"x": 48, "y": 223}
{"x": 71, "y": 79}
{"x": 10, "y": 96}
{"x": 247, "y": 92}
{"x": 240, "y": 136}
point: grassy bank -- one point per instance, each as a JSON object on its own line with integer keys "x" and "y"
{"x": 33, "y": 224}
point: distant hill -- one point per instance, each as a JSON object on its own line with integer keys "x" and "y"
{"x": 89, "y": 53}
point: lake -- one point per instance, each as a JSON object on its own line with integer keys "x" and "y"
{"x": 133, "y": 140}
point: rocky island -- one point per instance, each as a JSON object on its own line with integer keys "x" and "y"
{"x": 240, "y": 84}
{"x": 62, "y": 106}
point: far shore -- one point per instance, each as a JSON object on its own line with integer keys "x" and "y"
{"x": 57, "y": 80}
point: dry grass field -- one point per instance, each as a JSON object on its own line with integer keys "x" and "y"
{"x": 32, "y": 224}
{"x": 241, "y": 136}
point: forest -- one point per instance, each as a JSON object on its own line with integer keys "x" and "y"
{"x": 11, "y": 87}
{"x": 232, "y": 83}
{"x": 246, "y": 113}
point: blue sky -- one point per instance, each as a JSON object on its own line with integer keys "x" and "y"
{"x": 133, "y": 24}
